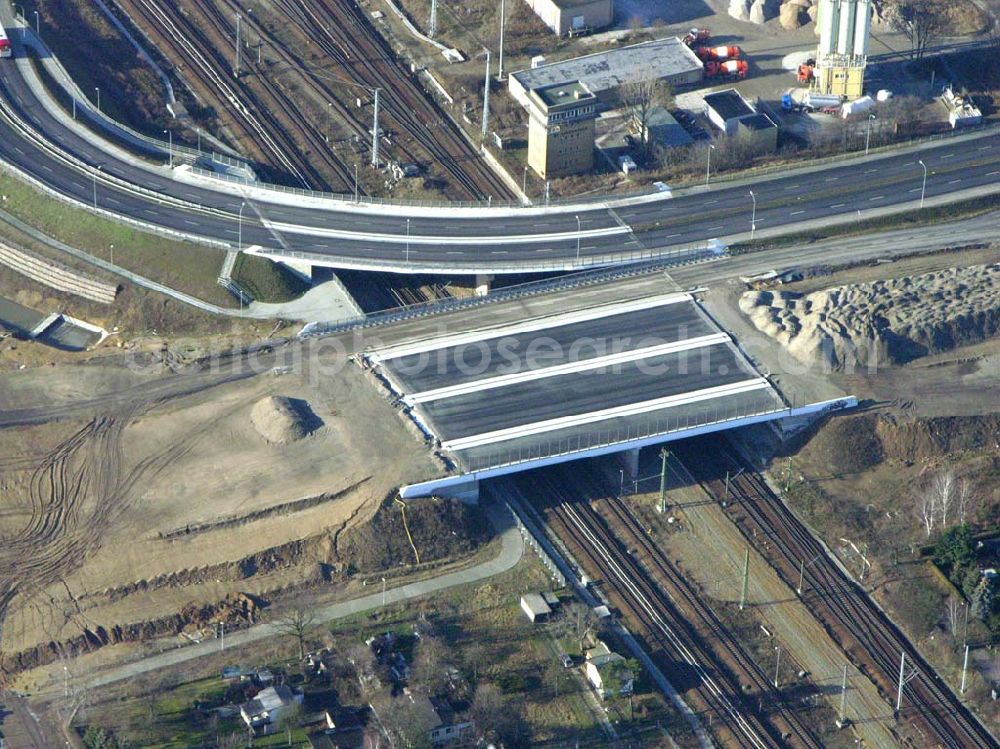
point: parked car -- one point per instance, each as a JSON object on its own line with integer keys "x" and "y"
{"x": 567, "y": 660}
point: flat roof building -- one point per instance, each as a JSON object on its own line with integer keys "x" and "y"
{"x": 663, "y": 129}
{"x": 734, "y": 115}
{"x": 604, "y": 72}
{"x": 561, "y": 129}
{"x": 574, "y": 16}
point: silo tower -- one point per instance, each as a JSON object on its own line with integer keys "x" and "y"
{"x": 843, "y": 27}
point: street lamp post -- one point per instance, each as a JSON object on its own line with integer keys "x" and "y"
{"x": 708, "y": 167}
{"x": 111, "y": 248}
{"x": 753, "y": 218}
{"x": 96, "y": 171}
{"x": 355, "y": 183}
{"x": 98, "y": 90}
{"x": 407, "y": 241}
{"x": 383, "y": 592}
{"x": 524, "y": 182}
{"x": 170, "y": 146}
{"x": 923, "y": 188}
{"x": 38, "y": 26}
{"x": 868, "y": 135}
{"x": 578, "y": 238}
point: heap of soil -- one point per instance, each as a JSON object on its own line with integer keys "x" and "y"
{"x": 278, "y": 420}
{"x": 885, "y": 322}
{"x": 441, "y": 529}
{"x": 852, "y": 444}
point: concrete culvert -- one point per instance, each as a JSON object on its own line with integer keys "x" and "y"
{"x": 281, "y": 420}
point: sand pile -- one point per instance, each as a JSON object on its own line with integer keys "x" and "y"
{"x": 884, "y": 322}
{"x": 279, "y": 420}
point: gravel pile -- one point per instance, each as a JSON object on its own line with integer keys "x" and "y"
{"x": 278, "y": 420}
{"x": 886, "y": 322}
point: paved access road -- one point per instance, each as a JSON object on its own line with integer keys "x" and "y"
{"x": 75, "y": 164}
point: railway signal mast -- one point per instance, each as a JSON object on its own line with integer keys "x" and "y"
{"x": 432, "y": 32}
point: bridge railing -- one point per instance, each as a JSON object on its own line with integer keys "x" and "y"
{"x": 531, "y": 288}
{"x": 704, "y": 416}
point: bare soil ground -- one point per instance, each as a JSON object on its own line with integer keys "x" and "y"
{"x": 131, "y": 516}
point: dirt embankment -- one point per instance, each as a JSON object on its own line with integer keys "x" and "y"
{"x": 883, "y": 322}
{"x": 857, "y": 443}
{"x": 442, "y": 530}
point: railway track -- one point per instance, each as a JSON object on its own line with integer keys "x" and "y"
{"x": 659, "y": 601}
{"x": 346, "y": 35}
{"x": 929, "y": 705}
{"x": 181, "y": 40}
{"x": 628, "y": 527}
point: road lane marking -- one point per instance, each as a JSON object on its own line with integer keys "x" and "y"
{"x": 569, "y": 367}
{"x": 458, "y": 339}
{"x": 877, "y": 197}
{"x": 796, "y": 213}
{"x": 955, "y": 180}
{"x": 839, "y": 205}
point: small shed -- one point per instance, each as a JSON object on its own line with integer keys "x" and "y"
{"x": 535, "y": 607}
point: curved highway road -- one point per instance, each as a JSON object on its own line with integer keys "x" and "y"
{"x": 497, "y": 240}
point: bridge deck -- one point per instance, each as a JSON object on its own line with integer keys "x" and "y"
{"x": 568, "y": 383}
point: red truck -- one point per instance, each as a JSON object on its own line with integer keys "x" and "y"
{"x": 727, "y": 69}
{"x": 706, "y": 54}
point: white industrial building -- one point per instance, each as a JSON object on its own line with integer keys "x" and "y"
{"x": 569, "y": 17}
{"x": 604, "y": 72}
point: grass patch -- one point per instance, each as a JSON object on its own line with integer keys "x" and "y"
{"x": 908, "y": 219}
{"x": 183, "y": 266}
{"x": 266, "y": 280}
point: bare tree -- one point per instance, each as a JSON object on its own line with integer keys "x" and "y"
{"x": 579, "y": 620}
{"x": 943, "y": 489}
{"x": 920, "y": 21}
{"x": 296, "y": 624}
{"x": 431, "y": 663}
{"x": 927, "y": 509}
{"x": 639, "y": 96}
{"x": 362, "y": 658}
{"x": 954, "y": 606}
{"x": 966, "y": 499}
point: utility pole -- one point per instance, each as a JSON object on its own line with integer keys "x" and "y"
{"x": 802, "y": 574}
{"x": 503, "y": 19}
{"x": 664, "y": 456}
{"x": 236, "y": 70}
{"x": 904, "y": 679}
{"x": 842, "y": 719}
{"x": 746, "y": 580}
{"x": 486, "y": 97}
{"x": 725, "y": 497}
{"x": 965, "y": 668}
{"x": 432, "y": 32}
{"x": 777, "y": 664}
{"x": 375, "y": 133}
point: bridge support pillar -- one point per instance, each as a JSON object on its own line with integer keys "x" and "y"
{"x": 483, "y": 281}
{"x": 630, "y": 463}
{"x": 300, "y": 268}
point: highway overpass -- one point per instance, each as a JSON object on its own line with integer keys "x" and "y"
{"x": 41, "y": 143}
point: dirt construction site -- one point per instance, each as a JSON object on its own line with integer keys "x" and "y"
{"x": 221, "y": 490}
